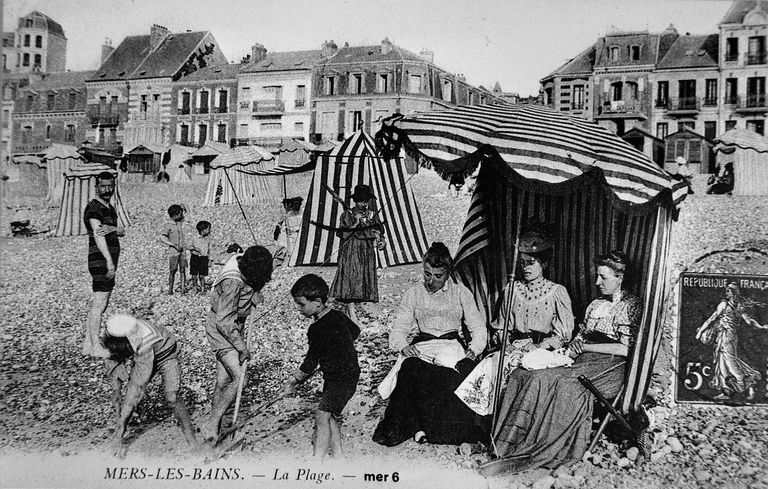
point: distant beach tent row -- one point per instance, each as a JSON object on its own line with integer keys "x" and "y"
{"x": 79, "y": 189}
{"x": 748, "y": 151}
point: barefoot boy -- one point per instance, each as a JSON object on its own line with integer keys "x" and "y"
{"x": 153, "y": 349}
{"x": 199, "y": 256}
{"x": 173, "y": 236}
{"x": 331, "y": 346}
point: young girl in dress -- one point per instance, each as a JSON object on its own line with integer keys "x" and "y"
{"x": 361, "y": 234}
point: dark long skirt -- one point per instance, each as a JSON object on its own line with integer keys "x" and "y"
{"x": 423, "y": 400}
{"x": 546, "y": 415}
{"x": 356, "y": 279}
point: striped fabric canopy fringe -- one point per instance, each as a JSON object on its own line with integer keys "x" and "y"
{"x": 79, "y": 189}
{"x": 597, "y": 193}
{"x": 354, "y": 162}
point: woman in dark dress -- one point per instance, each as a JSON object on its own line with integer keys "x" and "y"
{"x": 356, "y": 279}
{"x": 545, "y": 416}
{"x": 422, "y": 404}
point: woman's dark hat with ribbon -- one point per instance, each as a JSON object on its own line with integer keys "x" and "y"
{"x": 363, "y": 192}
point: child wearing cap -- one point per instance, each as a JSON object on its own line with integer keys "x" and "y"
{"x": 361, "y": 234}
{"x": 331, "y": 346}
{"x": 153, "y": 349}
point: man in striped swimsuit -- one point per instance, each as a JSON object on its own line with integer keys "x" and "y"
{"x": 153, "y": 349}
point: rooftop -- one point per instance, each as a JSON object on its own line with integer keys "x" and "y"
{"x": 698, "y": 51}
{"x": 44, "y": 21}
{"x": 354, "y": 54}
{"x": 741, "y": 8}
{"x": 583, "y": 63}
{"x": 285, "y": 61}
{"x": 60, "y": 80}
{"x": 215, "y": 72}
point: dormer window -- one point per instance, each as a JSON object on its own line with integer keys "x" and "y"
{"x": 732, "y": 49}
{"x": 634, "y": 53}
{"x": 613, "y": 53}
{"x": 356, "y": 83}
{"x": 414, "y": 83}
{"x": 329, "y": 85}
{"x": 382, "y": 83}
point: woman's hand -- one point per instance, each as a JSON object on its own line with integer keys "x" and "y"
{"x": 410, "y": 351}
{"x": 575, "y": 347}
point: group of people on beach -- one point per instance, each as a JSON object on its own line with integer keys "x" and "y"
{"x": 442, "y": 385}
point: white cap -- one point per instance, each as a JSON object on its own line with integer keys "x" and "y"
{"x": 120, "y": 325}
{"x": 681, "y": 161}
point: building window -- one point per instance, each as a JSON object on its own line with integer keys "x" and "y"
{"x": 50, "y": 101}
{"x": 758, "y": 126}
{"x": 70, "y": 135}
{"x": 25, "y": 60}
{"x": 731, "y": 90}
{"x": 30, "y": 102}
{"x": 113, "y": 104}
{"x": 223, "y": 101}
{"x": 28, "y": 23}
{"x": 184, "y": 134}
{"x": 732, "y": 49}
{"x": 328, "y": 123}
{"x": 100, "y": 136}
{"x": 26, "y": 40}
{"x": 185, "y": 97}
{"x": 6, "y": 117}
{"x": 662, "y": 94}
{"x": 271, "y": 127}
{"x": 710, "y": 92}
{"x": 577, "y": 100}
{"x": 72, "y": 100}
{"x": 756, "y": 50}
{"x": 756, "y": 91}
{"x": 202, "y": 107}
{"x": 38, "y": 60}
{"x": 103, "y": 105}
{"x": 329, "y": 85}
{"x": 38, "y": 41}
{"x": 301, "y": 96}
{"x": 730, "y": 125}
{"x": 617, "y": 91}
{"x": 634, "y": 53}
{"x": 357, "y": 120}
{"x": 48, "y": 132}
{"x": 687, "y": 94}
{"x": 613, "y": 54}
{"x": 156, "y": 103}
{"x": 26, "y": 134}
{"x": 142, "y": 104}
{"x": 414, "y": 83}
{"x": 710, "y": 130}
{"x": 221, "y": 133}
{"x": 447, "y": 90}
{"x": 298, "y": 127}
{"x": 382, "y": 83}
{"x": 662, "y": 129}
{"x": 631, "y": 91}
{"x": 243, "y": 131}
{"x": 355, "y": 83}
{"x": 202, "y": 134}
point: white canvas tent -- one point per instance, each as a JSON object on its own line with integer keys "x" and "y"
{"x": 748, "y": 151}
{"x": 58, "y": 158}
{"x": 79, "y": 189}
{"x": 180, "y": 163}
{"x": 353, "y": 162}
{"x": 227, "y": 186}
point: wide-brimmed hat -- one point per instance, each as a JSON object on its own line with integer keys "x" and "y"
{"x": 534, "y": 242}
{"x": 121, "y": 325}
{"x": 362, "y": 192}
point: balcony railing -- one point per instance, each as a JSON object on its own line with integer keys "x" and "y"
{"x": 729, "y": 57}
{"x": 619, "y": 107}
{"x": 105, "y": 119}
{"x": 268, "y": 142}
{"x": 755, "y": 58}
{"x": 36, "y": 147}
{"x": 184, "y": 111}
{"x": 222, "y": 110}
{"x": 300, "y": 103}
{"x": 269, "y": 106}
{"x": 685, "y": 104}
{"x": 202, "y": 110}
{"x": 752, "y": 101}
{"x": 731, "y": 100}
{"x": 709, "y": 102}
{"x": 244, "y": 105}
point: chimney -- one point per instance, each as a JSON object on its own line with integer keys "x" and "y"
{"x": 157, "y": 33}
{"x": 386, "y": 46}
{"x": 258, "y": 52}
{"x": 427, "y": 55}
{"x": 461, "y": 77}
{"x": 106, "y": 49}
{"x": 328, "y": 49}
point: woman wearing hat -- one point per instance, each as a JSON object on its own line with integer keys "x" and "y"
{"x": 537, "y": 312}
{"x": 545, "y": 417}
{"x": 361, "y": 234}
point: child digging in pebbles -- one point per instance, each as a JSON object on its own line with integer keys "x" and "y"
{"x": 153, "y": 349}
{"x": 331, "y": 346}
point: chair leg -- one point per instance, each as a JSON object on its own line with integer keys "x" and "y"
{"x": 602, "y": 426}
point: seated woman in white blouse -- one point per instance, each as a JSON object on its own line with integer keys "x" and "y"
{"x": 422, "y": 405}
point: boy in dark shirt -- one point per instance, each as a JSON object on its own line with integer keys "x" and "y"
{"x": 331, "y": 346}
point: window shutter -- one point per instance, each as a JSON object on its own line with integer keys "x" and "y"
{"x": 694, "y": 151}
{"x": 670, "y": 155}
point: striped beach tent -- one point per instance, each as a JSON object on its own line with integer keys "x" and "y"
{"x": 748, "y": 152}
{"x": 58, "y": 158}
{"x": 226, "y": 185}
{"x": 593, "y": 189}
{"x": 354, "y": 162}
{"x": 79, "y": 189}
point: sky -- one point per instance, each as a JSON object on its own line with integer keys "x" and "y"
{"x": 514, "y": 42}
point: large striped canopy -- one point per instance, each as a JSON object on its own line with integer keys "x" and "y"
{"x": 58, "y": 158}
{"x": 541, "y": 167}
{"x": 227, "y": 185}
{"x": 354, "y": 162}
{"x": 79, "y": 189}
{"x": 747, "y": 151}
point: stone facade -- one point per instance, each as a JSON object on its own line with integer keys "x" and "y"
{"x": 40, "y": 45}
